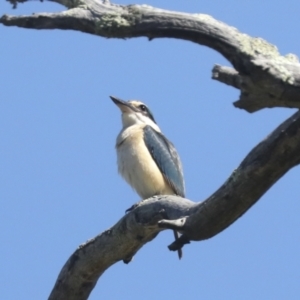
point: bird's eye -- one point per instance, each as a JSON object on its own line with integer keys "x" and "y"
{"x": 143, "y": 107}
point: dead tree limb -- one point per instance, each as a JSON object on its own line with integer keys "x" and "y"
{"x": 262, "y": 167}
{"x": 265, "y": 79}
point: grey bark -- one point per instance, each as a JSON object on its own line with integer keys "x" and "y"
{"x": 264, "y": 78}
{"x": 267, "y": 79}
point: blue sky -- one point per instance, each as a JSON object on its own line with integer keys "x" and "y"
{"x": 58, "y": 178}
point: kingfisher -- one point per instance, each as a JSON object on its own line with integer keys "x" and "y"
{"x": 147, "y": 160}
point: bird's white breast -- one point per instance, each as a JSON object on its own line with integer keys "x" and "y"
{"x": 137, "y": 166}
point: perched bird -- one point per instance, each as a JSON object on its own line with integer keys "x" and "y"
{"x": 147, "y": 160}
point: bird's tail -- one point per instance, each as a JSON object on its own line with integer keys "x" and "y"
{"x": 179, "y": 251}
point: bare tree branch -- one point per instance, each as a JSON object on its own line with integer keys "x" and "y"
{"x": 227, "y": 75}
{"x": 267, "y": 79}
{"x": 262, "y": 167}
{"x": 82, "y": 270}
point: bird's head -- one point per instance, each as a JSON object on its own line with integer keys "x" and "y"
{"x": 135, "y": 112}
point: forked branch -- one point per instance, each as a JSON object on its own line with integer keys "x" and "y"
{"x": 266, "y": 78}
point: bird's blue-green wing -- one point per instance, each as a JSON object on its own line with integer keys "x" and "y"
{"x": 166, "y": 157}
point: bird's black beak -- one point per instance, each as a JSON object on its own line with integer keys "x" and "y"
{"x": 124, "y": 106}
